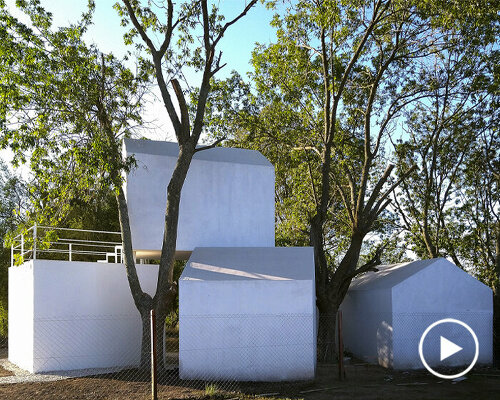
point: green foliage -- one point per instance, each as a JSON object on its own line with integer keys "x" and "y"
{"x": 329, "y": 98}
{"x": 65, "y": 106}
{"x": 12, "y": 204}
{"x": 449, "y": 208}
{"x": 286, "y": 115}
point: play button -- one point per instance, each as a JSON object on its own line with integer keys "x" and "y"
{"x": 450, "y": 353}
{"x": 448, "y": 348}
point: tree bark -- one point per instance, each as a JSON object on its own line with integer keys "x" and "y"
{"x": 322, "y": 273}
{"x": 326, "y": 344}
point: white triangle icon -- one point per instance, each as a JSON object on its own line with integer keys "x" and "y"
{"x": 448, "y": 348}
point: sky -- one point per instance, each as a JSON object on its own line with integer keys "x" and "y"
{"x": 107, "y": 34}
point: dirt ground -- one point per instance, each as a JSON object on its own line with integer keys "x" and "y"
{"x": 362, "y": 382}
{"x": 4, "y": 372}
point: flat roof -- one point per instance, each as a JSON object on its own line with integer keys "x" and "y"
{"x": 250, "y": 263}
{"x": 216, "y": 154}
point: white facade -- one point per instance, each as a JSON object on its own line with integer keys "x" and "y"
{"x": 227, "y": 199}
{"x": 74, "y": 315}
{"x": 248, "y": 314}
{"x": 386, "y": 312}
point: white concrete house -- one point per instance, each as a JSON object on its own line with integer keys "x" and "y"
{"x": 227, "y": 199}
{"x": 386, "y": 312}
{"x": 67, "y": 315}
{"x": 248, "y": 314}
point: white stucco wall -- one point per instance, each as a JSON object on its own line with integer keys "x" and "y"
{"x": 383, "y": 322}
{"x": 82, "y": 315}
{"x": 367, "y": 325}
{"x": 248, "y": 323}
{"x": 21, "y": 307}
{"x": 227, "y": 198}
{"x": 441, "y": 291}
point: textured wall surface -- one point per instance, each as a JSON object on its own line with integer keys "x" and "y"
{"x": 248, "y": 314}
{"x": 77, "y": 315}
{"x": 385, "y": 316}
{"x": 227, "y": 199}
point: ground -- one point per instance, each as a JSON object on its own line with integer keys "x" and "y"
{"x": 362, "y": 382}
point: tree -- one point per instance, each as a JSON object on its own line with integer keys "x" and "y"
{"x": 451, "y": 208}
{"x": 324, "y": 102}
{"x": 13, "y": 202}
{"x": 337, "y": 79}
{"x": 444, "y": 132}
{"x": 80, "y": 103}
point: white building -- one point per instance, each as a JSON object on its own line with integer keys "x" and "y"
{"x": 248, "y": 314}
{"x": 68, "y": 315}
{"x": 386, "y": 312}
{"x": 227, "y": 199}
{"x": 247, "y": 309}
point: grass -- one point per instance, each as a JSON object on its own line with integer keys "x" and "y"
{"x": 211, "y": 390}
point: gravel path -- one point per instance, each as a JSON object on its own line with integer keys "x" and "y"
{"x": 23, "y": 376}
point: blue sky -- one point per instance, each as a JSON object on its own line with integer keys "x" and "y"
{"x": 108, "y": 34}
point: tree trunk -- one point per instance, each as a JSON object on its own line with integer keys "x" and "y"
{"x": 320, "y": 263}
{"x": 335, "y": 292}
{"x": 146, "y": 339}
{"x": 326, "y": 344}
{"x": 326, "y": 324}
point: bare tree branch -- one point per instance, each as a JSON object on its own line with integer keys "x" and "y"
{"x": 185, "y": 126}
{"x": 210, "y": 146}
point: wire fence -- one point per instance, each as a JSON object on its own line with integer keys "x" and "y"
{"x": 226, "y": 355}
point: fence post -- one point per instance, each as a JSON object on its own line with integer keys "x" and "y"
{"x": 22, "y": 246}
{"x": 12, "y": 254}
{"x": 154, "y": 389}
{"x": 70, "y": 249}
{"x": 34, "y": 242}
{"x": 341, "y": 346}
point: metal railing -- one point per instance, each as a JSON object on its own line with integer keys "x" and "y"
{"x": 26, "y": 245}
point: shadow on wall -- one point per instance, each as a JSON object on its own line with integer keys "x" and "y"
{"x": 384, "y": 344}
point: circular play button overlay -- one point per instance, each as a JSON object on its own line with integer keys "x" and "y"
{"x": 448, "y": 342}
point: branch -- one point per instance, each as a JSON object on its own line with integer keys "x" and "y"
{"x": 344, "y": 199}
{"x": 206, "y": 27}
{"x": 378, "y": 188}
{"x": 224, "y": 28}
{"x": 370, "y": 265}
{"x": 375, "y": 212}
{"x": 375, "y": 19}
{"x": 211, "y": 146}
{"x": 218, "y": 67}
{"x": 170, "y": 29}
{"x": 308, "y": 148}
{"x": 139, "y": 27}
{"x": 183, "y": 107}
{"x": 157, "y": 60}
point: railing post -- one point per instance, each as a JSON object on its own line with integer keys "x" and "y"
{"x": 70, "y": 248}
{"x": 154, "y": 389}
{"x": 34, "y": 242}
{"x": 22, "y": 245}
{"x": 12, "y": 254}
